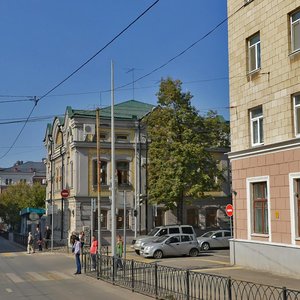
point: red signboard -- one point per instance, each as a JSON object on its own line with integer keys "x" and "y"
{"x": 65, "y": 193}
{"x": 229, "y": 210}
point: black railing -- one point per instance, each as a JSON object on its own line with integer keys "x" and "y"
{"x": 174, "y": 283}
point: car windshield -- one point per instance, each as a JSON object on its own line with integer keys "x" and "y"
{"x": 207, "y": 234}
{"x": 153, "y": 231}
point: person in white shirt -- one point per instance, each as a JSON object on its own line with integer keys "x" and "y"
{"x": 77, "y": 247}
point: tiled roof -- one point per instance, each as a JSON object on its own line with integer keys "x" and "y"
{"x": 131, "y": 109}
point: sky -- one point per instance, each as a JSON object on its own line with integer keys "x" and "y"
{"x": 43, "y": 42}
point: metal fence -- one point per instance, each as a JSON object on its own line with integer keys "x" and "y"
{"x": 169, "y": 283}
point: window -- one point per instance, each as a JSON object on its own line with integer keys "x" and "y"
{"x": 256, "y": 117}
{"x": 123, "y": 172}
{"x": 103, "y": 218}
{"x": 187, "y": 230}
{"x": 260, "y": 207}
{"x": 211, "y": 217}
{"x": 122, "y": 138}
{"x": 174, "y": 239}
{"x": 295, "y": 31}
{"x": 71, "y": 174}
{"x": 186, "y": 238}
{"x": 296, "y": 100}
{"x": 103, "y": 177}
{"x": 254, "y": 52}
{"x": 192, "y": 217}
{"x": 297, "y": 194}
{"x": 173, "y": 230}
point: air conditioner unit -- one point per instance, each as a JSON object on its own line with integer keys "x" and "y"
{"x": 89, "y": 128}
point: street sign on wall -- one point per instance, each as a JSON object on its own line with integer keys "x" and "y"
{"x": 229, "y": 210}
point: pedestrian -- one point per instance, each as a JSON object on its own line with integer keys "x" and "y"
{"x": 72, "y": 240}
{"x": 93, "y": 252}
{"x": 30, "y": 243}
{"x": 38, "y": 238}
{"x": 47, "y": 236}
{"x": 77, "y": 247}
{"x": 119, "y": 252}
{"x": 82, "y": 238}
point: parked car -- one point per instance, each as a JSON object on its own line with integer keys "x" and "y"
{"x": 171, "y": 245}
{"x": 161, "y": 231}
{"x": 214, "y": 239}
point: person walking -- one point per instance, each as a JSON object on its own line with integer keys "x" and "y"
{"x": 93, "y": 252}
{"x": 38, "y": 238}
{"x": 77, "y": 247}
{"x": 30, "y": 242}
{"x": 119, "y": 252}
{"x": 47, "y": 236}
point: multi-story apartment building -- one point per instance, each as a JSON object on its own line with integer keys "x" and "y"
{"x": 72, "y": 165}
{"x": 264, "y": 64}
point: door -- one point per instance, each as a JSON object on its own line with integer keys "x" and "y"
{"x": 172, "y": 246}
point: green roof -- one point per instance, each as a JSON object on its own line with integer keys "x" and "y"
{"x": 131, "y": 109}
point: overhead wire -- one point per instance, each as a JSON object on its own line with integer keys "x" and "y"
{"x": 74, "y": 72}
{"x": 136, "y": 80}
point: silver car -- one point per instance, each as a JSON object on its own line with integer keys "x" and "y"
{"x": 171, "y": 245}
{"x": 214, "y": 239}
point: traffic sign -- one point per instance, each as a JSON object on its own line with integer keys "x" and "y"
{"x": 229, "y": 210}
{"x": 65, "y": 193}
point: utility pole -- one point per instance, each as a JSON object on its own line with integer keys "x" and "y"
{"x": 113, "y": 168}
{"x": 98, "y": 178}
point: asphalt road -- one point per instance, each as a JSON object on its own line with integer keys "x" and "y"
{"x": 50, "y": 276}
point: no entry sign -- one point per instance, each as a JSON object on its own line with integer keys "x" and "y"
{"x": 64, "y": 193}
{"x": 229, "y": 210}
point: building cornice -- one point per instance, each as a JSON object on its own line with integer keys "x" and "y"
{"x": 265, "y": 149}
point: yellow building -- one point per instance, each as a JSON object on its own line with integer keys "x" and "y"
{"x": 264, "y": 64}
{"x": 72, "y": 165}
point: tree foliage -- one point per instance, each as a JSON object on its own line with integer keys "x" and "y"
{"x": 19, "y": 196}
{"x": 181, "y": 168}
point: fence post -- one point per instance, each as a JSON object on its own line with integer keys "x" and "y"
{"x": 187, "y": 284}
{"x": 284, "y": 294}
{"x": 229, "y": 288}
{"x": 113, "y": 265}
{"x": 156, "y": 280}
{"x": 84, "y": 255}
{"x": 132, "y": 275}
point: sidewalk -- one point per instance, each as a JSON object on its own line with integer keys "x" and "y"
{"x": 209, "y": 267}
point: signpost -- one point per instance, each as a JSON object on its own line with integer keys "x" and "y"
{"x": 229, "y": 212}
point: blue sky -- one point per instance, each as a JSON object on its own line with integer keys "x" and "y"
{"x": 42, "y": 42}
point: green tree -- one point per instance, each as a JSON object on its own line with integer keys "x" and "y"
{"x": 19, "y": 196}
{"x": 181, "y": 169}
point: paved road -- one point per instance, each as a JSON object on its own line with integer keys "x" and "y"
{"x": 50, "y": 276}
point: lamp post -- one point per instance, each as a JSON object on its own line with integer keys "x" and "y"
{"x": 51, "y": 187}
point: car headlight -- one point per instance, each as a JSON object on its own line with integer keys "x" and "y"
{"x": 147, "y": 248}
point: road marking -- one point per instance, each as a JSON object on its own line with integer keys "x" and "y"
{"x": 216, "y": 269}
{"x": 9, "y": 290}
{"x": 216, "y": 261}
{"x": 36, "y": 276}
{"x": 58, "y": 275}
{"x": 15, "y": 278}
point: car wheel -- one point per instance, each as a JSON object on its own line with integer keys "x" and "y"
{"x": 194, "y": 252}
{"x": 137, "y": 252}
{"x": 158, "y": 254}
{"x": 205, "y": 246}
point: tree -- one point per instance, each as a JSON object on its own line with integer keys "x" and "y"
{"x": 19, "y": 196}
{"x": 181, "y": 169}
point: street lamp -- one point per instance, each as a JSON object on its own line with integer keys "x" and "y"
{"x": 51, "y": 187}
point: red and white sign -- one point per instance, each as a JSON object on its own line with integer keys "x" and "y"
{"x": 65, "y": 193}
{"x": 229, "y": 210}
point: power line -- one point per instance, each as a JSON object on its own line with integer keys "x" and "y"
{"x": 74, "y": 72}
{"x": 16, "y": 100}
